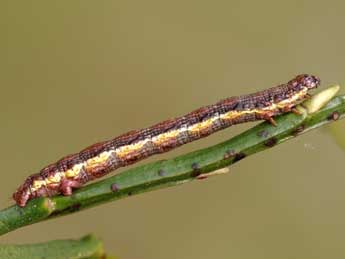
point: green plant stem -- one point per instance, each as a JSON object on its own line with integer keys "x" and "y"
{"x": 174, "y": 171}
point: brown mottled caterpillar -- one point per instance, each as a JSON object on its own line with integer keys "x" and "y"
{"x": 99, "y": 159}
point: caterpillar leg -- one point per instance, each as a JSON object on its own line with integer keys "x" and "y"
{"x": 295, "y": 111}
{"x": 271, "y": 120}
{"x": 308, "y": 96}
{"x": 291, "y": 109}
{"x": 67, "y": 186}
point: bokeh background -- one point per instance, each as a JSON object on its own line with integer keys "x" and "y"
{"x": 77, "y": 72}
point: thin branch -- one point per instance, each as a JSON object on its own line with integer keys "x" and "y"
{"x": 185, "y": 168}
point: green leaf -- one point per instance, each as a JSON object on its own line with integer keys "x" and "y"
{"x": 320, "y": 99}
{"x": 87, "y": 247}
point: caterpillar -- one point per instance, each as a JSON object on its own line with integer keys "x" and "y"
{"x": 95, "y": 161}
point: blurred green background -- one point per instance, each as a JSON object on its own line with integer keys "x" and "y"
{"x": 77, "y": 72}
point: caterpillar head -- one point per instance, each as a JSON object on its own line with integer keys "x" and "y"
{"x": 305, "y": 80}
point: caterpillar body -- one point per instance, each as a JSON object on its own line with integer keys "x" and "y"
{"x": 99, "y": 159}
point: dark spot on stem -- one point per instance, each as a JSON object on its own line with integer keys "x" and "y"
{"x": 21, "y": 212}
{"x": 263, "y": 134}
{"x": 196, "y": 169}
{"x": 195, "y": 166}
{"x": 201, "y": 177}
{"x": 229, "y": 154}
{"x": 271, "y": 142}
{"x": 239, "y": 156}
{"x": 130, "y": 193}
{"x": 161, "y": 172}
{"x": 75, "y": 207}
{"x": 334, "y": 116}
{"x": 114, "y": 187}
{"x": 298, "y": 130}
